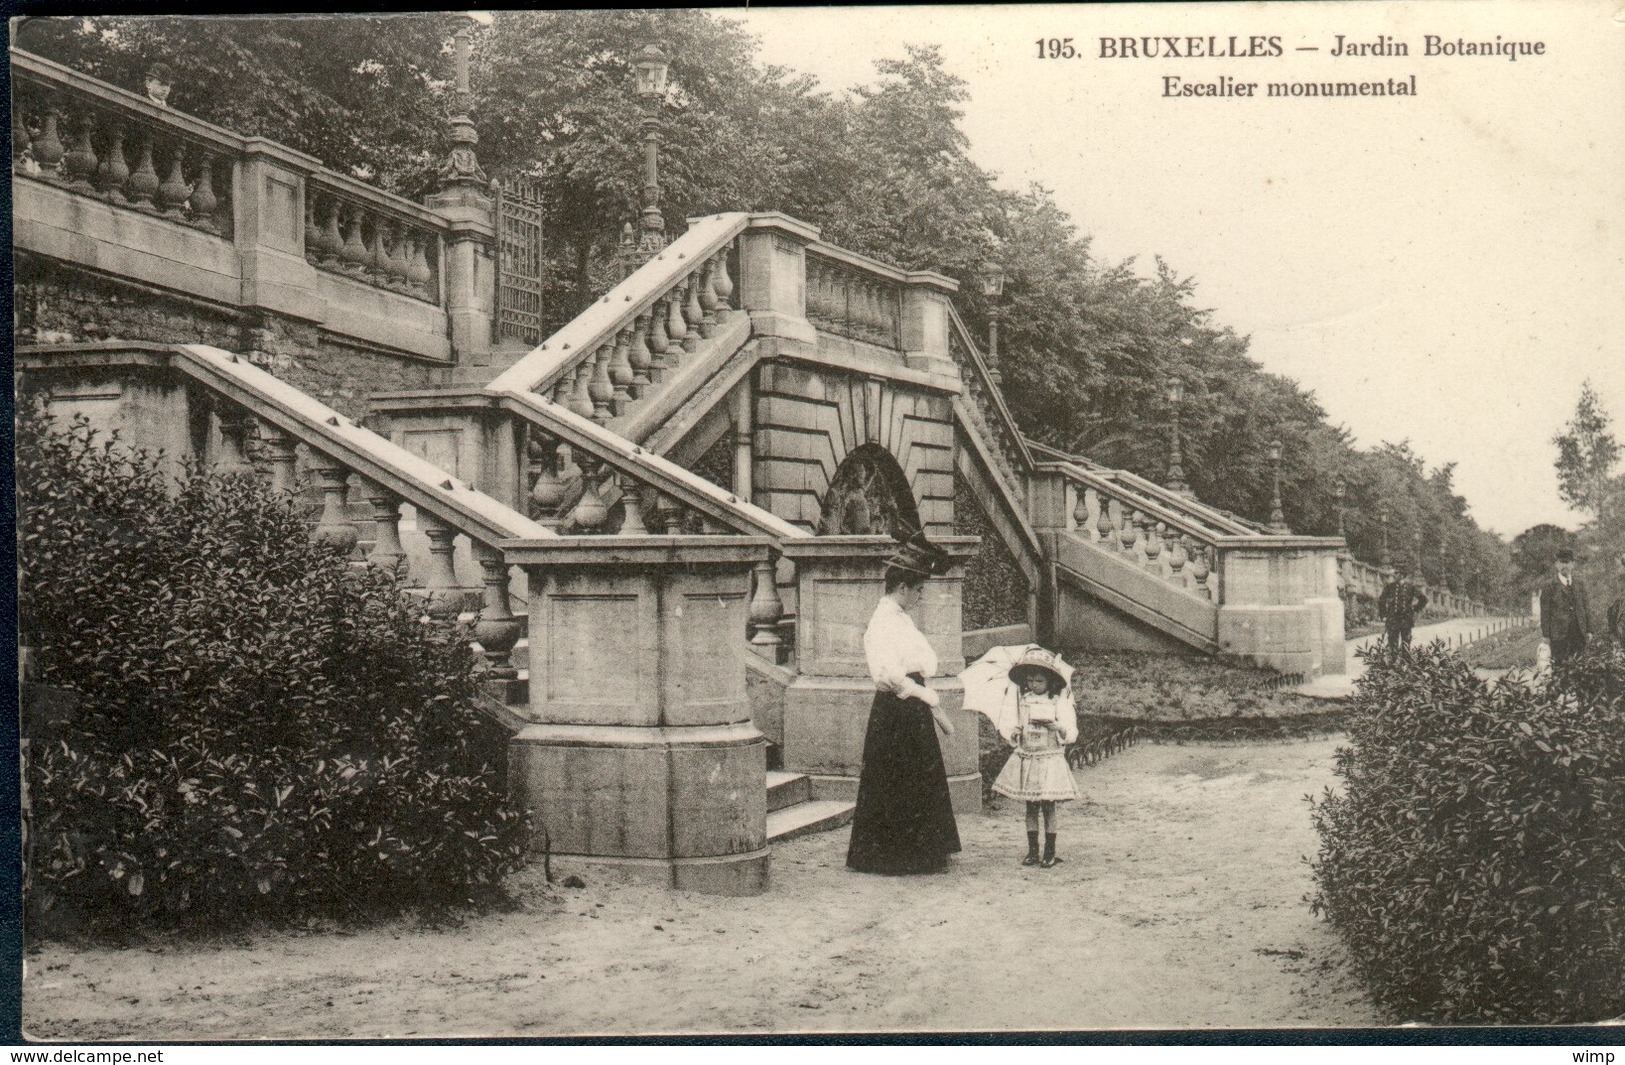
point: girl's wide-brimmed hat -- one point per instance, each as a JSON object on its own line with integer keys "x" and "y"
{"x": 1039, "y": 661}
{"x": 917, "y": 556}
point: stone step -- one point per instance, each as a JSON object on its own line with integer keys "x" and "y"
{"x": 787, "y": 789}
{"x": 807, "y": 817}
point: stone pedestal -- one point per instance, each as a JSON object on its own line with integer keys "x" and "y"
{"x": 1280, "y": 607}
{"x": 839, "y": 581}
{"x": 641, "y": 751}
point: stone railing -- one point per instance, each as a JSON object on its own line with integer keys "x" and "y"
{"x": 387, "y": 245}
{"x": 190, "y": 207}
{"x": 1359, "y": 578}
{"x": 848, "y": 297}
{"x": 613, "y": 357}
{"x": 193, "y": 400}
{"x": 985, "y": 408}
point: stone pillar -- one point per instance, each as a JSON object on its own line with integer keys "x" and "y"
{"x": 468, "y": 269}
{"x": 926, "y": 299}
{"x": 641, "y": 752}
{"x": 773, "y": 283}
{"x": 839, "y": 581}
{"x": 1279, "y": 605}
{"x": 269, "y": 230}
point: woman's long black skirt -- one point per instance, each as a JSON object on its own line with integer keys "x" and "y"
{"x": 904, "y": 821}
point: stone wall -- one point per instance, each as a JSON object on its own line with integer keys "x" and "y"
{"x": 996, "y": 589}
{"x": 57, "y": 304}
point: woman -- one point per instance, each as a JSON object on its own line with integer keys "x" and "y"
{"x": 904, "y": 822}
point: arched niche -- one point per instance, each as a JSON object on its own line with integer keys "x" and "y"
{"x": 869, "y": 494}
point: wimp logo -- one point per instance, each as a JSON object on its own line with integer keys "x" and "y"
{"x": 1594, "y": 1057}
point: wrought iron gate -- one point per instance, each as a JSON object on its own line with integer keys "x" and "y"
{"x": 519, "y": 262}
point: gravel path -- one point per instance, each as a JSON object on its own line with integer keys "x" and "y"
{"x": 1179, "y": 904}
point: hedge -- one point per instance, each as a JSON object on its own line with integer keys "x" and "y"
{"x": 261, "y": 725}
{"x": 1473, "y": 859}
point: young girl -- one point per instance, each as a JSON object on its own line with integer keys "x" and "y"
{"x": 1039, "y": 721}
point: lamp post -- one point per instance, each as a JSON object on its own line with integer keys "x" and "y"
{"x": 461, "y": 171}
{"x": 1277, "y": 522}
{"x": 1416, "y": 538}
{"x": 993, "y": 289}
{"x": 1176, "y": 467}
{"x": 1340, "y": 491}
{"x": 651, "y": 68}
{"x": 1382, "y": 517}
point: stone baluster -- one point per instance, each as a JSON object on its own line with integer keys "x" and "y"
{"x": 721, "y": 282}
{"x": 581, "y": 397}
{"x": 676, "y": 328}
{"x": 766, "y": 610}
{"x": 22, "y": 155}
{"x": 114, "y": 170}
{"x": 1153, "y": 546}
{"x": 79, "y": 161}
{"x": 1177, "y": 557}
{"x": 142, "y": 188}
{"x": 599, "y": 387}
{"x": 497, "y": 629}
{"x": 563, "y": 388}
{"x": 387, "y": 554}
{"x": 547, "y": 488}
{"x": 1079, "y": 511}
{"x": 815, "y": 288}
{"x": 659, "y": 340}
{"x": 397, "y": 264}
{"x": 47, "y": 147}
{"x": 444, "y": 597}
{"x": 638, "y": 356}
{"x": 668, "y": 515}
{"x": 707, "y": 298}
{"x": 1105, "y": 525}
{"x": 620, "y": 370}
{"x": 693, "y": 312}
{"x": 204, "y": 201}
{"x": 631, "y": 506}
{"x": 420, "y": 274}
{"x": 332, "y": 240}
{"x": 1200, "y": 570}
{"x": 233, "y": 428}
{"x": 174, "y": 192}
{"x": 1128, "y": 532}
{"x": 333, "y": 527}
{"x": 590, "y": 512}
{"x": 353, "y": 255}
{"x": 276, "y": 450}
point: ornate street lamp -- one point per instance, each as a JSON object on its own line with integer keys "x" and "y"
{"x": 993, "y": 289}
{"x": 1176, "y": 468}
{"x": 461, "y": 169}
{"x": 1416, "y": 537}
{"x": 1277, "y": 522}
{"x": 1382, "y": 516}
{"x": 651, "y": 68}
{"x": 1340, "y": 490}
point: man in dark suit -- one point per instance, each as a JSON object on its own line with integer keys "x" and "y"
{"x": 1565, "y": 612}
{"x": 1398, "y": 606}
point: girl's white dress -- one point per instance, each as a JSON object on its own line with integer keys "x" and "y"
{"x": 1043, "y": 725}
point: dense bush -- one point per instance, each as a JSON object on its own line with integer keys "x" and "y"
{"x": 261, "y": 726}
{"x": 1473, "y": 860}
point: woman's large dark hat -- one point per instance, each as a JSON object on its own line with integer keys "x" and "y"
{"x": 918, "y": 556}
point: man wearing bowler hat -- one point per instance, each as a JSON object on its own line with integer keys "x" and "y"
{"x": 1565, "y": 612}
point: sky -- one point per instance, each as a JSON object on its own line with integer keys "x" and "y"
{"x": 1445, "y": 268}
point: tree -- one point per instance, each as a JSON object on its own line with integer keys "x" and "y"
{"x": 1586, "y": 454}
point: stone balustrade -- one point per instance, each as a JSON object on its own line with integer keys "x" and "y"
{"x": 852, "y": 300}
{"x": 614, "y": 356}
{"x": 371, "y": 242}
{"x": 984, "y": 407}
{"x": 204, "y": 403}
{"x": 107, "y": 180}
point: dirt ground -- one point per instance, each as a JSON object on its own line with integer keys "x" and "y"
{"x": 1180, "y": 904}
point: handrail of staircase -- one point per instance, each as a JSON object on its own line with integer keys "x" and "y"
{"x": 596, "y": 352}
{"x": 649, "y": 470}
{"x": 1220, "y": 519}
{"x": 970, "y": 359}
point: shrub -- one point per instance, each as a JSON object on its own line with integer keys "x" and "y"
{"x": 1474, "y": 859}
{"x": 261, "y": 726}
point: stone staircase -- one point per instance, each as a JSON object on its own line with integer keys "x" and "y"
{"x": 792, "y": 811}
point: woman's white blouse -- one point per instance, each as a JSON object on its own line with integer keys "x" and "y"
{"x": 895, "y": 648}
